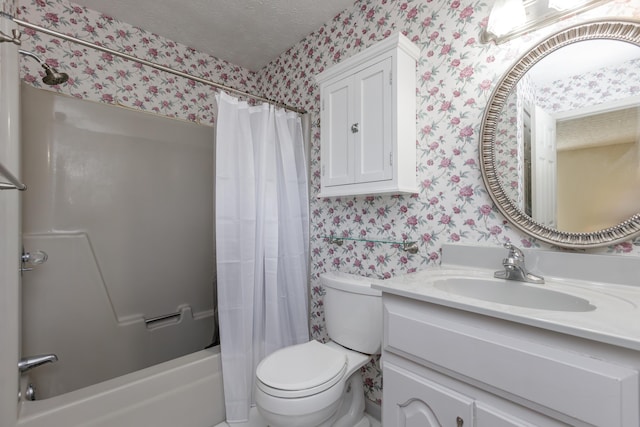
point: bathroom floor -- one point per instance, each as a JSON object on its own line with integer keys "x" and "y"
{"x": 256, "y": 421}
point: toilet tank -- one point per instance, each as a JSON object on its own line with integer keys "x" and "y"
{"x": 353, "y": 311}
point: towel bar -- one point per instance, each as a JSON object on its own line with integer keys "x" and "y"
{"x": 152, "y": 320}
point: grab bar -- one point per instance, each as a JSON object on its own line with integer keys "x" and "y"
{"x": 13, "y": 184}
{"x": 151, "y": 320}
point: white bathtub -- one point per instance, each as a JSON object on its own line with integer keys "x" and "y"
{"x": 184, "y": 392}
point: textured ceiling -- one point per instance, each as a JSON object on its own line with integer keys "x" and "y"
{"x": 249, "y": 33}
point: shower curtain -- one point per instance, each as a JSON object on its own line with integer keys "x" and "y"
{"x": 262, "y": 241}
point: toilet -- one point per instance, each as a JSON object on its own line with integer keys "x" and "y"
{"x": 320, "y": 385}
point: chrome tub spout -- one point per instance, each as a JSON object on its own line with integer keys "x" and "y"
{"x": 27, "y": 363}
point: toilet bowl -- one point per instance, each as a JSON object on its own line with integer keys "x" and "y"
{"x": 314, "y": 396}
{"x": 314, "y": 384}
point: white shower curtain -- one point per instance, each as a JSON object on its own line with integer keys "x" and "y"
{"x": 262, "y": 241}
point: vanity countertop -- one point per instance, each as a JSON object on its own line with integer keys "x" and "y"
{"x": 615, "y": 319}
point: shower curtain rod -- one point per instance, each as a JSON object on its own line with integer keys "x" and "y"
{"x": 153, "y": 65}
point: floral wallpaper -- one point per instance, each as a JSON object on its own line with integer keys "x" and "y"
{"x": 510, "y": 141}
{"x": 526, "y": 96}
{"x": 508, "y": 147}
{"x": 455, "y": 77}
{"x": 606, "y": 84}
{"x": 8, "y": 6}
{"x": 98, "y": 76}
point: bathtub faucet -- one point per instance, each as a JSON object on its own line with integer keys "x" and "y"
{"x": 31, "y": 362}
{"x": 514, "y": 268}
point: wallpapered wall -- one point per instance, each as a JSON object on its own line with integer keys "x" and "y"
{"x": 606, "y": 84}
{"x": 456, "y": 75}
{"x": 508, "y": 147}
{"x": 102, "y": 77}
{"x": 8, "y": 6}
{"x": 509, "y": 141}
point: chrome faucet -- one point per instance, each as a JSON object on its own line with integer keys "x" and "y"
{"x": 514, "y": 268}
{"x": 31, "y": 362}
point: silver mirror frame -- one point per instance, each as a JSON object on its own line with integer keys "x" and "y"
{"x": 622, "y": 30}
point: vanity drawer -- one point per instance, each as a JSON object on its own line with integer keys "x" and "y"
{"x": 584, "y": 388}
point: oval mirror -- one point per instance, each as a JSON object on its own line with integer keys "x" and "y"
{"x": 560, "y": 137}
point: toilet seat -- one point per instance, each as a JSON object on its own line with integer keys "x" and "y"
{"x": 301, "y": 370}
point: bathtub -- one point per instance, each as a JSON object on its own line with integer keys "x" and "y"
{"x": 184, "y": 392}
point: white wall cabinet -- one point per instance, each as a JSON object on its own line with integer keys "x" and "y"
{"x": 448, "y": 367}
{"x": 368, "y": 126}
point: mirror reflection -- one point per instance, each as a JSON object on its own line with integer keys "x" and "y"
{"x": 567, "y": 139}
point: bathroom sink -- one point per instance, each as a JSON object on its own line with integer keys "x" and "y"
{"x": 513, "y": 293}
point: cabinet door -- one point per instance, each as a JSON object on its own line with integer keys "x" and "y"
{"x": 373, "y": 112}
{"x": 337, "y": 146}
{"x": 413, "y": 401}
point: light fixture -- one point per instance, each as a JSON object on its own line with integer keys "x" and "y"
{"x": 511, "y": 18}
{"x": 505, "y": 16}
{"x": 564, "y": 4}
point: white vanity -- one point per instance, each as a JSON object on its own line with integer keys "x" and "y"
{"x": 462, "y": 348}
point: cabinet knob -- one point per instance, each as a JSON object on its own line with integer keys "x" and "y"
{"x": 459, "y": 422}
{"x": 354, "y": 128}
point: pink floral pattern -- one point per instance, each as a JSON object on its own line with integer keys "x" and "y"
{"x": 510, "y": 141}
{"x": 597, "y": 87}
{"x": 8, "y": 6}
{"x": 103, "y": 77}
{"x": 508, "y": 147}
{"x": 455, "y": 77}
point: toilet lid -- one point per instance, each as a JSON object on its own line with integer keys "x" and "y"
{"x": 301, "y": 367}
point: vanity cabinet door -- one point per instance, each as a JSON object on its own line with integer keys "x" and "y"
{"x": 413, "y": 401}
